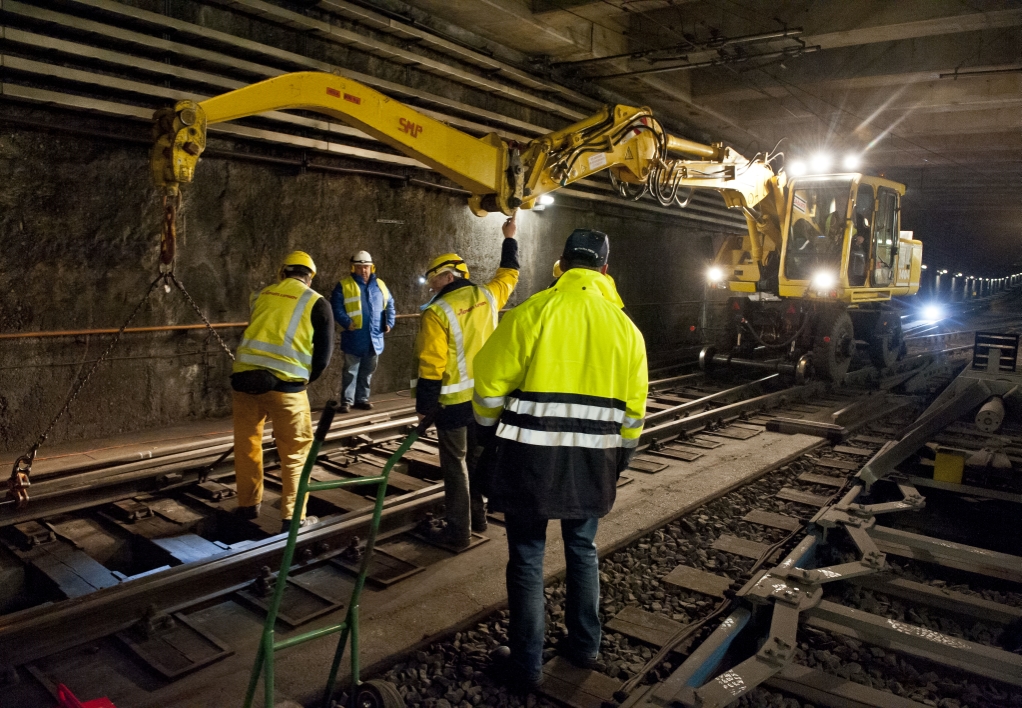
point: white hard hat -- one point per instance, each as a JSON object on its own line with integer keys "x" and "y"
{"x": 362, "y": 258}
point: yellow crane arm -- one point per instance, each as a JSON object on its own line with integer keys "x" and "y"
{"x": 473, "y": 163}
{"x": 501, "y": 175}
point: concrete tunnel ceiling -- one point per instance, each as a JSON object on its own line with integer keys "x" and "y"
{"x": 926, "y": 91}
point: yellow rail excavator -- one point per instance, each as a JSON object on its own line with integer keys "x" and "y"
{"x": 821, "y": 258}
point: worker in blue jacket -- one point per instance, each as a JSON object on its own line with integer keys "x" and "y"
{"x": 364, "y": 309}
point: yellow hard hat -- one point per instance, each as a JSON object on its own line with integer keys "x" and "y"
{"x": 448, "y": 261}
{"x": 557, "y": 269}
{"x": 298, "y": 258}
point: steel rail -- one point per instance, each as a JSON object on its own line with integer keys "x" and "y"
{"x": 39, "y": 631}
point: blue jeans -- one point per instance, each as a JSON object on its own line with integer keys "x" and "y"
{"x": 358, "y": 372}
{"x": 526, "y": 540}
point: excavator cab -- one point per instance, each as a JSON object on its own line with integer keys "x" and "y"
{"x": 840, "y": 259}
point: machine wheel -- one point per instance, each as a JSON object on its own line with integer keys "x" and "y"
{"x": 378, "y": 694}
{"x": 886, "y": 341}
{"x": 833, "y": 345}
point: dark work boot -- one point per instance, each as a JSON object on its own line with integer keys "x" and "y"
{"x": 363, "y": 405}
{"x": 247, "y": 512}
{"x": 345, "y": 407}
{"x": 285, "y": 524}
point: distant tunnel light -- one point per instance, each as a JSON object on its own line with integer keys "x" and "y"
{"x": 546, "y": 199}
{"x": 820, "y": 162}
{"x": 851, "y": 162}
{"x": 797, "y": 168}
{"x": 923, "y": 266}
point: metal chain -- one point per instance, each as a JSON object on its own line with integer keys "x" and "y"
{"x": 209, "y": 325}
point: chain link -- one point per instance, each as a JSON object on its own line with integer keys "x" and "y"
{"x": 209, "y": 325}
{"x": 20, "y": 475}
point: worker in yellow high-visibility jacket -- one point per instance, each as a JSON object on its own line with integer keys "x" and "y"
{"x": 286, "y": 345}
{"x": 455, "y": 324}
{"x": 560, "y": 398}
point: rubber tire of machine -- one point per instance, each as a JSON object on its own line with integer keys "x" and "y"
{"x": 378, "y": 694}
{"x": 833, "y": 336}
{"x": 886, "y": 341}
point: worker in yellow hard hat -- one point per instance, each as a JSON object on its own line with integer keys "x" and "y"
{"x": 364, "y": 309}
{"x": 286, "y": 345}
{"x": 455, "y": 325}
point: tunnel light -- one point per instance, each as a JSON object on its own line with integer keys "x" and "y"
{"x": 546, "y": 199}
{"x": 820, "y": 162}
{"x": 958, "y": 275}
{"x": 422, "y": 280}
{"x": 933, "y": 313}
{"x": 715, "y": 275}
{"x": 797, "y": 168}
{"x": 923, "y": 266}
{"x": 851, "y": 162}
{"x": 824, "y": 280}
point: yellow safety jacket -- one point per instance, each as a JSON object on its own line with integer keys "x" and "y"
{"x": 279, "y": 334}
{"x": 563, "y": 381}
{"x": 353, "y": 298}
{"x": 454, "y": 327}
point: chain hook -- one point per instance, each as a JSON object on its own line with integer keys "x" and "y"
{"x": 168, "y": 239}
{"x": 20, "y": 478}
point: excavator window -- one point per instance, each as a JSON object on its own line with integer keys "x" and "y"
{"x": 885, "y": 237}
{"x": 819, "y": 216}
{"x": 858, "y": 253}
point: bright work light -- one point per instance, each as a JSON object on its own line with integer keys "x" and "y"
{"x": 824, "y": 280}
{"x": 715, "y": 275}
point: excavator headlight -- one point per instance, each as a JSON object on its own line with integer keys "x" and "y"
{"x": 820, "y": 163}
{"x": 714, "y": 275}
{"x": 933, "y": 313}
{"x": 824, "y": 280}
{"x": 851, "y": 162}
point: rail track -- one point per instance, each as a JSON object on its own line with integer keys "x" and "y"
{"x": 116, "y": 546}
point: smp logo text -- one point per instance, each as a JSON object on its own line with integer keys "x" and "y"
{"x": 409, "y": 127}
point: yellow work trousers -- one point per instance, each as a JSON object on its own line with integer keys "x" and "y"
{"x": 292, "y": 431}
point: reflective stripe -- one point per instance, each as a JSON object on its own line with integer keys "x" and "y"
{"x": 558, "y": 439}
{"x": 354, "y": 313}
{"x": 459, "y": 342}
{"x": 266, "y": 362}
{"x": 413, "y": 383}
{"x": 629, "y": 442}
{"x": 564, "y": 410}
{"x": 493, "y": 304}
{"x": 296, "y": 316}
{"x": 353, "y": 299}
{"x": 630, "y": 422}
{"x": 489, "y": 402}
{"x": 460, "y": 386}
{"x": 278, "y": 349}
{"x": 483, "y": 420}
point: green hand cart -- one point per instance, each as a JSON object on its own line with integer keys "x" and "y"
{"x": 371, "y": 694}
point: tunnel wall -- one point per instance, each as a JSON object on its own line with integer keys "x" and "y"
{"x": 79, "y": 230}
{"x": 79, "y": 220}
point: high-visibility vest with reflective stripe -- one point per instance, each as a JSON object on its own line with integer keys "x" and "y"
{"x": 353, "y": 298}
{"x": 279, "y": 335}
{"x": 469, "y": 316}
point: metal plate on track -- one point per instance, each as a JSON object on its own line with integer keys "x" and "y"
{"x": 836, "y": 464}
{"x": 740, "y": 546}
{"x": 578, "y": 688}
{"x": 870, "y": 440}
{"x": 676, "y": 453}
{"x": 299, "y": 605}
{"x": 177, "y": 649}
{"x": 703, "y": 442}
{"x": 789, "y": 494}
{"x": 769, "y": 518}
{"x": 850, "y": 450}
{"x": 698, "y": 580}
{"x": 823, "y": 479}
{"x": 645, "y": 626}
{"x": 644, "y": 463}
{"x": 735, "y": 433}
{"x": 385, "y": 569}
